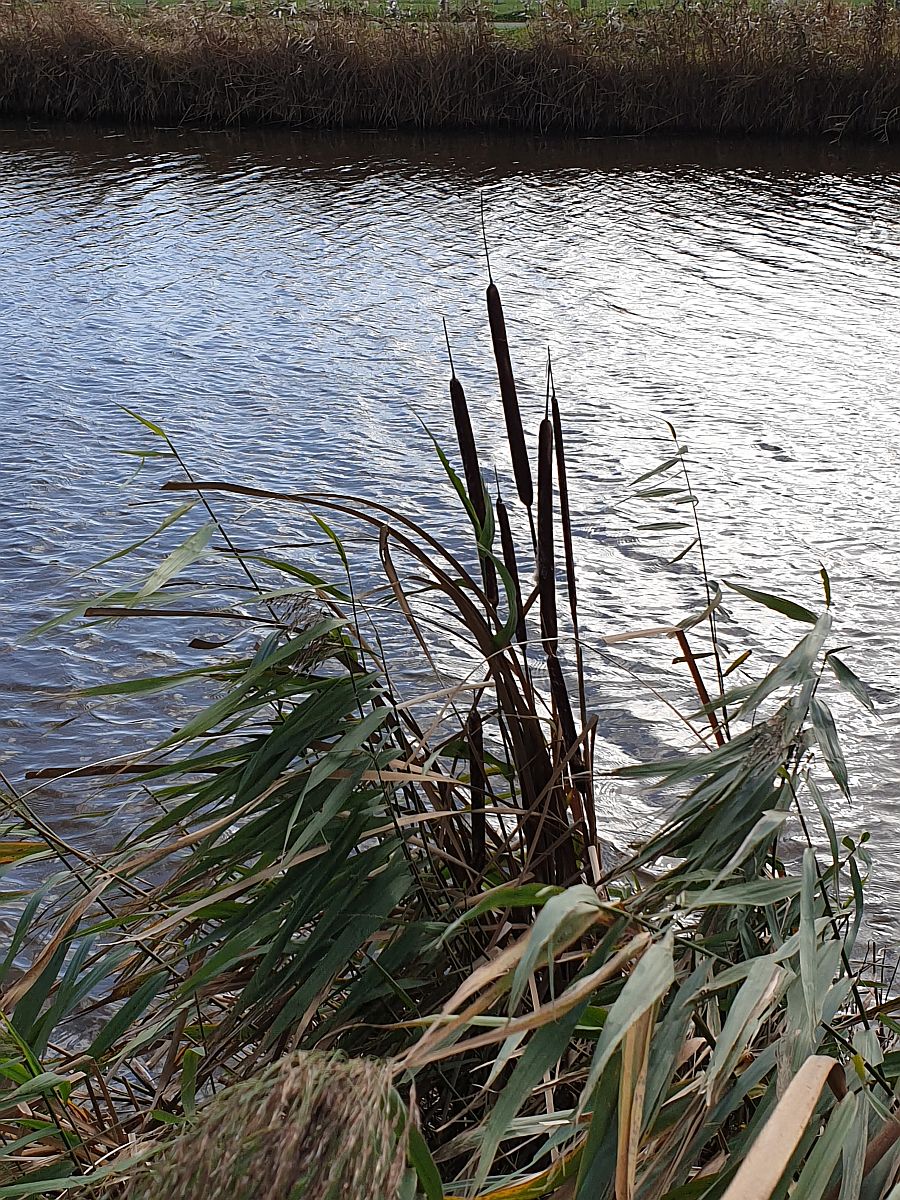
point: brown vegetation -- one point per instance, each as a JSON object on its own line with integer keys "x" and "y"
{"x": 730, "y": 66}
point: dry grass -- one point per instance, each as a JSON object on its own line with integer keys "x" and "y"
{"x": 729, "y": 67}
{"x": 310, "y": 1125}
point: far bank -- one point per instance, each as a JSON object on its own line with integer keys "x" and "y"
{"x": 798, "y": 69}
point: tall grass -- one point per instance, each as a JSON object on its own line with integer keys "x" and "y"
{"x": 715, "y": 66}
{"x": 375, "y": 943}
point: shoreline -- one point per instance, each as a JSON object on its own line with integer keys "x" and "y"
{"x": 730, "y": 70}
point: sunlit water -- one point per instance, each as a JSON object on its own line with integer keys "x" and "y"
{"x": 276, "y": 301}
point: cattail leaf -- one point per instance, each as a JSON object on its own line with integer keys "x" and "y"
{"x": 458, "y": 484}
{"x": 488, "y": 527}
{"x": 511, "y": 625}
{"x": 546, "y": 567}
{"x": 334, "y": 538}
{"x": 479, "y": 505}
{"x": 565, "y": 515}
{"x": 477, "y": 788}
{"x": 511, "y": 574}
{"x": 582, "y": 779}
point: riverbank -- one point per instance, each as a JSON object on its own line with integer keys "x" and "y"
{"x": 797, "y": 69}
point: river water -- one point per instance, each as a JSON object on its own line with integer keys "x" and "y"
{"x": 275, "y": 301}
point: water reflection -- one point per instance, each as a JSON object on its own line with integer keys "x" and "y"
{"x": 275, "y": 300}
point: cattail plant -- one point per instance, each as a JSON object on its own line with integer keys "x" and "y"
{"x": 363, "y": 949}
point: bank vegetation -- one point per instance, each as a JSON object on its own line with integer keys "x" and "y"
{"x": 367, "y": 935}
{"x": 776, "y": 67}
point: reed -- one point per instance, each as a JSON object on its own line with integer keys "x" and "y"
{"x": 803, "y": 67}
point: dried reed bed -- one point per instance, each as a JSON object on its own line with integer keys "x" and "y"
{"x": 733, "y": 67}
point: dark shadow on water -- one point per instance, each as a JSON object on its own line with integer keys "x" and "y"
{"x": 92, "y": 151}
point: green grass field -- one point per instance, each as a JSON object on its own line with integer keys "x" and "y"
{"x": 499, "y": 11}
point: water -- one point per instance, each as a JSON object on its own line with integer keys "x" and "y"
{"x": 276, "y": 300}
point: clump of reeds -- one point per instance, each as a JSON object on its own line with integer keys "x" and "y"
{"x": 339, "y": 867}
{"x": 801, "y": 67}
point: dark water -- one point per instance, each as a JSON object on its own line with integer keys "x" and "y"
{"x": 276, "y": 301}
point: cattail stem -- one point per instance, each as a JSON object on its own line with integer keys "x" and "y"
{"x": 508, "y": 547}
{"x": 546, "y": 570}
{"x": 565, "y": 517}
{"x": 478, "y": 788}
{"x": 546, "y": 583}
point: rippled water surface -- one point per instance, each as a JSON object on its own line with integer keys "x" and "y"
{"x": 276, "y": 301}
